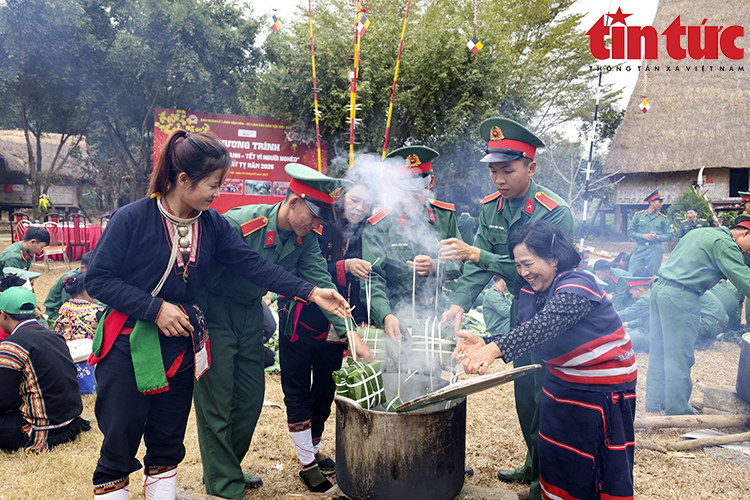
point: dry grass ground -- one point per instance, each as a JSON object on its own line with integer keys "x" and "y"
{"x": 493, "y": 442}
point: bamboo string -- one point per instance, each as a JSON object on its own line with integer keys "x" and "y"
{"x": 315, "y": 86}
{"x": 414, "y": 292}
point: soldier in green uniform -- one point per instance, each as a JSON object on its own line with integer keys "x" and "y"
{"x": 518, "y": 201}
{"x": 20, "y": 253}
{"x": 696, "y": 264}
{"x": 731, "y": 299}
{"x": 229, "y": 396}
{"x": 467, "y": 225}
{"x": 496, "y": 307}
{"x": 57, "y": 295}
{"x": 635, "y": 318}
{"x": 615, "y": 287}
{"x": 714, "y": 320}
{"x": 692, "y": 221}
{"x": 745, "y": 201}
{"x": 649, "y": 228}
{"x": 403, "y": 237}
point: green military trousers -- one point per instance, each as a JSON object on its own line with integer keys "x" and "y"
{"x": 528, "y": 394}
{"x": 229, "y": 396}
{"x": 675, "y": 315}
{"x": 647, "y": 256}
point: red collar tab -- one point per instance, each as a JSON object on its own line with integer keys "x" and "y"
{"x": 402, "y": 220}
{"x": 527, "y": 150}
{"x": 299, "y": 239}
{"x": 500, "y": 204}
{"x": 270, "y": 238}
{"x": 529, "y": 209}
{"x": 432, "y": 215}
{"x": 304, "y": 191}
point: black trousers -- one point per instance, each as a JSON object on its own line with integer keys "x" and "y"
{"x": 12, "y": 436}
{"x": 305, "y": 399}
{"x": 125, "y": 414}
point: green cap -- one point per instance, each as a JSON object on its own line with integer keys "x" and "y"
{"x": 416, "y": 171}
{"x": 745, "y": 196}
{"x": 21, "y": 273}
{"x": 507, "y": 140}
{"x": 319, "y": 191}
{"x": 655, "y": 195}
{"x": 17, "y": 300}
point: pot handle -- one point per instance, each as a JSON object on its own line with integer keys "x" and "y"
{"x": 365, "y": 416}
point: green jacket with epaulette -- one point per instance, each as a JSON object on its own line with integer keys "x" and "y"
{"x": 496, "y": 226}
{"x": 687, "y": 225}
{"x": 394, "y": 238}
{"x": 644, "y": 223}
{"x": 257, "y": 224}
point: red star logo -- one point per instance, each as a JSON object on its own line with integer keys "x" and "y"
{"x": 619, "y": 17}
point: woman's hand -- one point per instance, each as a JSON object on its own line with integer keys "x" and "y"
{"x": 454, "y": 315}
{"x": 468, "y": 345}
{"x": 363, "y": 352}
{"x": 455, "y": 249}
{"x": 425, "y": 265}
{"x": 358, "y": 267}
{"x": 391, "y": 326}
{"x": 480, "y": 360}
{"x": 173, "y": 322}
{"x": 331, "y": 300}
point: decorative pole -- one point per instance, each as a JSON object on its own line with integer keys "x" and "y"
{"x": 315, "y": 85}
{"x": 353, "y": 88}
{"x": 589, "y": 170}
{"x": 393, "y": 90}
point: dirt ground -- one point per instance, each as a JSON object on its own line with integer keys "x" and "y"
{"x": 493, "y": 442}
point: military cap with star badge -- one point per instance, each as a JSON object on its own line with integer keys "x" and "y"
{"x": 319, "y": 191}
{"x": 507, "y": 140}
{"x": 655, "y": 195}
{"x": 745, "y": 196}
{"x": 416, "y": 172}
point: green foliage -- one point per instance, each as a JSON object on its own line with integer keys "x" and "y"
{"x": 687, "y": 199}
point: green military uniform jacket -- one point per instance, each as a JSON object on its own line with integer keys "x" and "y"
{"x": 15, "y": 256}
{"x": 617, "y": 285}
{"x": 497, "y": 224}
{"x": 637, "y": 314}
{"x": 731, "y": 300}
{"x": 395, "y": 238}
{"x": 257, "y": 224}
{"x": 687, "y": 226}
{"x": 496, "y": 308}
{"x": 702, "y": 258}
{"x": 467, "y": 225}
{"x": 648, "y": 253}
{"x": 57, "y": 295}
{"x": 712, "y": 308}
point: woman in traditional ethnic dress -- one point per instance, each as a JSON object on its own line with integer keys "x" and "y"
{"x": 152, "y": 342}
{"x": 77, "y": 317}
{"x": 308, "y": 346}
{"x": 586, "y": 432}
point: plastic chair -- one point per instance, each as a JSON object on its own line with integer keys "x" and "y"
{"x": 54, "y": 217}
{"x": 56, "y": 245}
{"x": 75, "y": 235}
{"x": 16, "y": 229}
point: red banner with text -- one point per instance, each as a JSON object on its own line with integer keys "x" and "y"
{"x": 259, "y": 150}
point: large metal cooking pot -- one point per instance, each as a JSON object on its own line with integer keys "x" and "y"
{"x": 743, "y": 370}
{"x": 401, "y": 456}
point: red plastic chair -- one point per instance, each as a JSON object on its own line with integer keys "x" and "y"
{"x": 17, "y": 230}
{"x": 75, "y": 233}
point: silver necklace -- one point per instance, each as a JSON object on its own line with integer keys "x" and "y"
{"x": 181, "y": 226}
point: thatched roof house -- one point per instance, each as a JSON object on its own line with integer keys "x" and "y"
{"x": 15, "y": 189}
{"x": 698, "y": 114}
